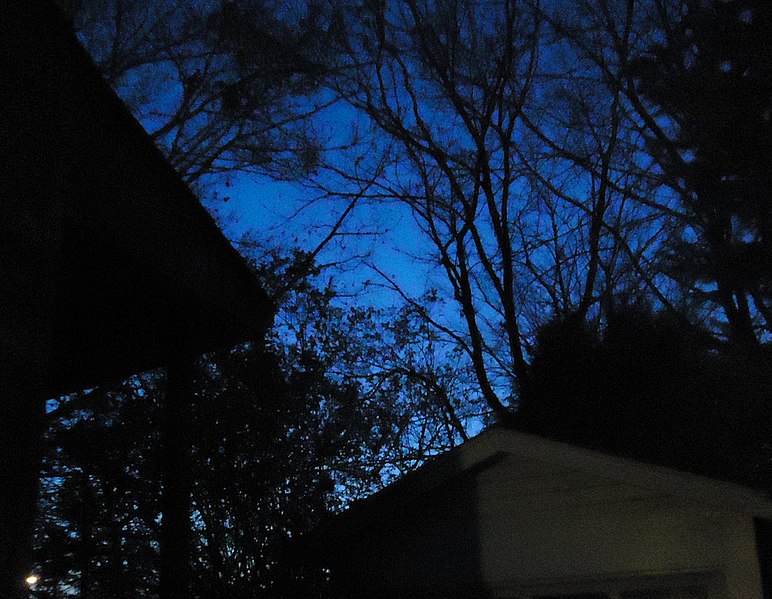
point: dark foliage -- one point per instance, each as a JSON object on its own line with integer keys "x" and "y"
{"x": 264, "y": 437}
{"x": 649, "y": 387}
{"x": 709, "y": 79}
{"x": 101, "y": 491}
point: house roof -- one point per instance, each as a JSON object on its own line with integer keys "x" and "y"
{"x": 512, "y": 513}
{"x": 132, "y": 269}
{"x": 557, "y": 467}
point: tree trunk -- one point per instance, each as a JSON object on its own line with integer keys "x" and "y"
{"x": 85, "y": 531}
{"x": 175, "y": 501}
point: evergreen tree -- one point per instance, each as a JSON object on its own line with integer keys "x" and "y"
{"x": 709, "y": 80}
{"x": 648, "y": 386}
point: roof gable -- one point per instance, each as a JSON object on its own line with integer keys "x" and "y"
{"x": 538, "y": 473}
{"x": 115, "y": 267}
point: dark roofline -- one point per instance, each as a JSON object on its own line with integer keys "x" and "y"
{"x": 127, "y": 120}
{"x": 112, "y": 252}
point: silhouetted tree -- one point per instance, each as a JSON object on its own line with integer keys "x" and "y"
{"x": 650, "y": 386}
{"x": 98, "y": 529}
{"x": 265, "y": 446}
{"x": 708, "y": 79}
{"x": 534, "y": 147}
{"x": 337, "y": 404}
{"x": 220, "y": 86}
{"x": 470, "y": 119}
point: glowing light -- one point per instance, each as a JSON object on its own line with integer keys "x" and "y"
{"x": 31, "y": 580}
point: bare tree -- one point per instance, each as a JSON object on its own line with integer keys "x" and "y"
{"x": 691, "y": 89}
{"x": 514, "y": 133}
{"x": 220, "y": 87}
{"x": 518, "y": 168}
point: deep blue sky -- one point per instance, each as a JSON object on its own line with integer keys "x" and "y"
{"x": 277, "y": 212}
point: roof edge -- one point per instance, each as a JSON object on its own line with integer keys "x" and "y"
{"x": 491, "y": 445}
{"x": 126, "y": 119}
{"x": 679, "y": 483}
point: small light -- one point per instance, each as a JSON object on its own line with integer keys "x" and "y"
{"x": 31, "y": 580}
